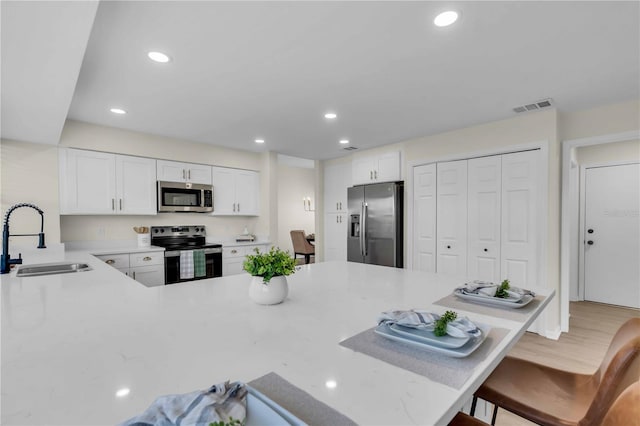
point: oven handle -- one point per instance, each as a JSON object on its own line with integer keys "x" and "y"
{"x": 206, "y": 251}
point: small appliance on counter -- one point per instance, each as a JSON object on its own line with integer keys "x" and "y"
{"x": 245, "y": 237}
{"x": 183, "y": 246}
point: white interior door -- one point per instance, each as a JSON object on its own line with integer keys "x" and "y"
{"x": 484, "y": 189}
{"x": 452, "y": 218}
{"x": 612, "y": 235}
{"x": 424, "y": 218}
{"x": 519, "y": 218}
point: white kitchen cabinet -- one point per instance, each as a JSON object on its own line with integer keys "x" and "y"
{"x": 236, "y": 192}
{"x": 102, "y": 183}
{"x": 374, "y": 169}
{"x": 145, "y": 267}
{"x": 337, "y": 179}
{"x": 233, "y": 257}
{"x": 335, "y": 236}
{"x": 173, "y": 171}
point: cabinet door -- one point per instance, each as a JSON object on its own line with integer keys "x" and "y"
{"x": 89, "y": 182}
{"x": 247, "y": 192}
{"x": 198, "y": 173}
{"x": 337, "y": 179}
{"x": 151, "y": 276}
{"x": 362, "y": 170}
{"x": 335, "y": 237}
{"x": 224, "y": 191}
{"x": 136, "y": 185}
{"x": 424, "y": 219}
{"x": 388, "y": 167}
{"x": 452, "y": 218}
{"x": 484, "y": 198}
{"x": 171, "y": 171}
{"x": 519, "y": 218}
{"x": 232, "y": 266}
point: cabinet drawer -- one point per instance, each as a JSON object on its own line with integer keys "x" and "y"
{"x": 119, "y": 261}
{"x": 231, "y": 252}
{"x": 146, "y": 258}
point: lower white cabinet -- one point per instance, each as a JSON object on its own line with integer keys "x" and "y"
{"x": 233, "y": 257}
{"x": 145, "y": 267}
{"x": 335, "y": 236}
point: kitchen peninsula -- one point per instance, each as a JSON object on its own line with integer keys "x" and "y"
{"x": 73, "y": 343}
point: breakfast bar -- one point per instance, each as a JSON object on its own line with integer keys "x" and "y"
{"x": 97, "y": 347}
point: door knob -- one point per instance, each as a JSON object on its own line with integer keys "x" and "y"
{"x": 448, "y": 247}
{"x": 486, "y": 250}
{"x": 590, "y": 242}
{"x": 590, "y": 231}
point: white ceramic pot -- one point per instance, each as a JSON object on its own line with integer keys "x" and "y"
{"x": 272, "y": 293}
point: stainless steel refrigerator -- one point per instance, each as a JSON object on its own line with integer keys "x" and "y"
{"x": 376, "y": 224}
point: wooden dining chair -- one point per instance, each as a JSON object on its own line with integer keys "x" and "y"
{"x": 301, "y": 246}
{"x": 549, "y": 396}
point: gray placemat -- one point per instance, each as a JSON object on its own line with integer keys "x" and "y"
{"x": 520, "y": 314}
{"x": 298, "y": 402}
{"x": 453, "y": 372}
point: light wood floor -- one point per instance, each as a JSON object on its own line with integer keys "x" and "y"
{"x": 591, "y": 328}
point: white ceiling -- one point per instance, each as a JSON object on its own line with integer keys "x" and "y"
{"x": 243, "y": 70}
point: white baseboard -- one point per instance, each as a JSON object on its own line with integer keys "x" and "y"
{"x": 553, "y": 334}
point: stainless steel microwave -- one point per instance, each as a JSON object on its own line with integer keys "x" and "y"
{"x": 184, "y": 197}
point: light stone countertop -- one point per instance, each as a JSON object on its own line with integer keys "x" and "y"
{"x": 71, "y": 341}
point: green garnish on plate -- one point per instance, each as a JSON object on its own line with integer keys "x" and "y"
{"x": 441, "y": 324}
{"x": 501, "y": 291}
{"x": 231, "y": 422}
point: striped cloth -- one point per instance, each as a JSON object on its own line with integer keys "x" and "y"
{"x": 186, "y": 264}
{"x": 199, "y": 264}
{"x": 217, "y": 404}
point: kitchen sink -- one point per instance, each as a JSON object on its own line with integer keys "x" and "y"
{"x": 51, "y": 269}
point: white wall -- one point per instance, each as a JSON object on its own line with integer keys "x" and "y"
{"x": 29, "y": 175}
{"x": 294, "y": 183}
{"x": 627, "y": 151}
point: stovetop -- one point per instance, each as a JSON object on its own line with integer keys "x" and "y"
{"x": 180, "y": 237}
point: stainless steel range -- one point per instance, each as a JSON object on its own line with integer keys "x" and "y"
{"x": 183, "y": 246}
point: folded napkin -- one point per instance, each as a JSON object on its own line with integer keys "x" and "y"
{"x": 489, "y": 289}
{"x": 423, "y": 320}
{"x": 217, "y": 404}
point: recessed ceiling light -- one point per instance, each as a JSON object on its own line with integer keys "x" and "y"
{"x": 158, "y": 57}
{"x": 330, "y": 115}
{"x": 118, "y": 111}
{"x": 446, "y": 18}
{"x": 259, "y": 140}
{"x": 122, "y": 392}
{"x": 331, "y": 384}
{"x": 344, "y": 141}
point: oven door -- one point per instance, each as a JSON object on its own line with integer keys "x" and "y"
{"x": 213, "y": 265}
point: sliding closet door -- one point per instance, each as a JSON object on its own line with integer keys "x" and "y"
{"x": 485, "y": 183}
{"x": 424, "y": 222}
{"x": 519, "y": 218}
{"x": 452, "y": 218}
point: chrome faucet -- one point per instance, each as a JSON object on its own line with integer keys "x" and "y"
{"x": 5, "y": 260}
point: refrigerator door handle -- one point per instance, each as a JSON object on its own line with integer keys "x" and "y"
{"x": 363, "y": 231}
{"x": 361, "y": 228}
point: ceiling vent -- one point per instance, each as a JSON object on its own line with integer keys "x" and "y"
{"x": 545, "y": 103}
{"x": 350, "y": 148}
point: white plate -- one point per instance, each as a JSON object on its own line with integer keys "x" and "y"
{"x": 428, "y": 336}
{"x": 262, "y": 411}
{"x": 461, "y": 352}
{"x": 494, "y": 301}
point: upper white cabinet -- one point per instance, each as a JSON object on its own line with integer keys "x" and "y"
{"x": 337, "y": 179}
{"x": 101, "y": 183}
{"x": 236, "y": 192}
{"x": 380, "y": 168}
{"x": 173, "y": 171}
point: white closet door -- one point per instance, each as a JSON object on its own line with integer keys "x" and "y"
{"x": 484, "y": 218}
{"x": 424, "y": 222}
{"x": 452, "y": 218}
{"x": 519, "y": 218}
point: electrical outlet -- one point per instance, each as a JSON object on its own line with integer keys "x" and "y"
{"x": 101, "y": 232}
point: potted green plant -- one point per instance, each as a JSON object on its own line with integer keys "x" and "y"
{"x": 269, "y": 270}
